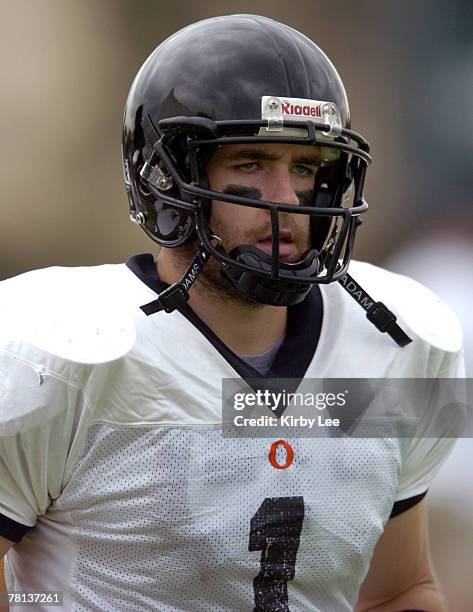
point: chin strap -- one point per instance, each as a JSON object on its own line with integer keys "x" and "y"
{"x": 376, "y": 312}
{"x": 177, "y": 294}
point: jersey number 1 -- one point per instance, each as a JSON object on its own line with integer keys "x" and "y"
{"x": 275, "y": 529}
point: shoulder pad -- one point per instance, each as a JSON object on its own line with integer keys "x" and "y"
{"x": 81, "y": 314}
{"x": 416, "y": 307}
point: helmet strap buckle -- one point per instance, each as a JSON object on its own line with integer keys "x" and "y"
{"x": 177, "y": 294}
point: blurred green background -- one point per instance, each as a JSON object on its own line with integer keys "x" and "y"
{"x": 66, "y": 67}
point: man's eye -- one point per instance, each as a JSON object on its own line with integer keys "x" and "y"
{"x": 303, "y": 170}
{"x": 248, "y": 166}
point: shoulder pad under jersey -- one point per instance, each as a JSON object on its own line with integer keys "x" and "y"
{"x": 424, "y": 313}
{"x": 82, "y": 314}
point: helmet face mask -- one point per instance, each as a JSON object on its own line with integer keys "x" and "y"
{"x": 172, "y": 128}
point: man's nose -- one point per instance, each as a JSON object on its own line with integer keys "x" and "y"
{"x": 279, "y": 187}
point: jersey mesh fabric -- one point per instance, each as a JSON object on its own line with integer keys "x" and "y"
{"x": 161, "y": 517}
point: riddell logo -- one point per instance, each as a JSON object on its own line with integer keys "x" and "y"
{"x": 305, "y": 110}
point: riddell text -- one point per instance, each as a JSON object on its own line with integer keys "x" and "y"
{"x": 298, "y": 109}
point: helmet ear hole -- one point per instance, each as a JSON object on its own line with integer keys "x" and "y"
{"x": 171, "y": 225}
{"x": 167, "y": 220}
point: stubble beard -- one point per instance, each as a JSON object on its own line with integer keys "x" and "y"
{"x": 210, "y": 283}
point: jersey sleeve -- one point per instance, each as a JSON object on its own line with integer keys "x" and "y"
{"x": 38, "y": 411}
{"x": 425, "y": 454}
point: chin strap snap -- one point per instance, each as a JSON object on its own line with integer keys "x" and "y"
{"x": 376, "y": 312}
{"x": 177, "y": 294}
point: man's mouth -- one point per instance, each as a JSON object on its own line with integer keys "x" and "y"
{"x": 287, "y": 248}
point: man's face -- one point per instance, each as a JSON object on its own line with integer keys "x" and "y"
{"x": 282, "y": 173}
{"x": 272, "y": 172}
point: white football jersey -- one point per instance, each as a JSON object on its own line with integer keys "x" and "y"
{"x": 117, "y": 483}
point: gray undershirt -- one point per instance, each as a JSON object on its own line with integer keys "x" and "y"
{"x": 262, "y": 363}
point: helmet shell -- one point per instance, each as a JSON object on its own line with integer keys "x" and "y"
{"x": 220, "y": 68}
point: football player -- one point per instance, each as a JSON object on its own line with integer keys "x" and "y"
{"x": 118, "y": 487}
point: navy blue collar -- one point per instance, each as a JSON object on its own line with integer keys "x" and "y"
{"x": 304, "y": 322}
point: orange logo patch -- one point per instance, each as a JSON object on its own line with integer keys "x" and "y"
{"x": 289, "y": 455}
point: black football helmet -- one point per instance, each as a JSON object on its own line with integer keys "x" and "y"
{"x": 243, "y": 79}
